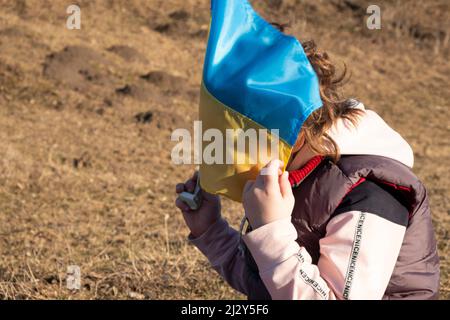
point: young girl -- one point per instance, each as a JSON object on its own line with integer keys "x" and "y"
{"x": 349, "y": 220}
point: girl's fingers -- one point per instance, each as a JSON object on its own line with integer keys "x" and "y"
{"x": 208, "y": 196}
{"x": 190, "y": 185}
{"x": 270, "y": 174}
{"x": 248, "y": 185}
{"x": 179, "y": 188}
{"x": 182, "y": 206}
{"x": 285, "y": 185}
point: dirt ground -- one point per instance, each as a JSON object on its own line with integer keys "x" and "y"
{"x": 86, "y": 116}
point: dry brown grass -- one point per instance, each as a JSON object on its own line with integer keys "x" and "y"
{"x": 82, "y": 182}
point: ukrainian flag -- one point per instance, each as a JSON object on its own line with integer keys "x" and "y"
{"x": 254, "y": 77}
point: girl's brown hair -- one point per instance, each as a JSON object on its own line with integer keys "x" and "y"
{"x": 334, "y": 107}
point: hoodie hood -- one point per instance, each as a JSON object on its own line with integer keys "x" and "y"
{"x": 372, "y": 136}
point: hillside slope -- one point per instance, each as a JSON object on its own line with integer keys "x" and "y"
{"x": 86, "y": 117}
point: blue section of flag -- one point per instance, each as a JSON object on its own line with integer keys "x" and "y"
{"x": 258, "y": 71}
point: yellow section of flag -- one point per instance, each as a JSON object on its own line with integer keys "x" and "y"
{"x": 228, "y": 179}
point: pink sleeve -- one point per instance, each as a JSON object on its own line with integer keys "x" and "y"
{"x": 220, "y": 244}
{"x": 356, "y": 260}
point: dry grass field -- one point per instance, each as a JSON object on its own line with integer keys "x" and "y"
{"x": 86, "y": 115}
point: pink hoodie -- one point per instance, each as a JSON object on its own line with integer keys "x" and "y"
{"x": 279, "y": 257}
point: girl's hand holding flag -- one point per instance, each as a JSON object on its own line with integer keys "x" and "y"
{"x": 200, "y": 220}
{"x": 269, "y": 197}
